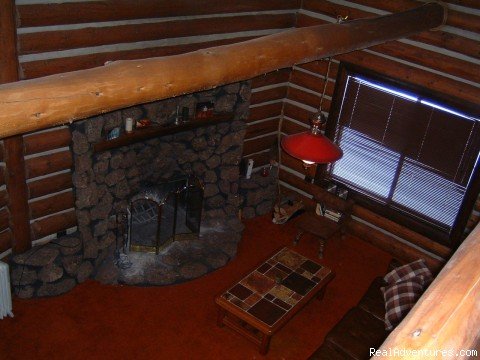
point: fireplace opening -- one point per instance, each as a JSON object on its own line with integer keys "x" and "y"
{"x": 159, "y": 215}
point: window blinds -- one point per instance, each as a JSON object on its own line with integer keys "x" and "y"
{"x": 405, "y": 152}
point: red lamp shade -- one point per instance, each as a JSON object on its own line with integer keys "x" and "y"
{"x": 310, "y": 147}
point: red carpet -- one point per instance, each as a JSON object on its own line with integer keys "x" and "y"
{"x": 95, "y": 321}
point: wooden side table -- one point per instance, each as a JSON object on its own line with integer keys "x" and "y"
{"x": 262, "y": 302}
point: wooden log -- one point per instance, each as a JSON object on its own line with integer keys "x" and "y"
{"x": 5, "y": 240}
{"x": 443, "y": 63}
{"x": 311, "y": 82}
{"x": 292, "y": 163}
{"x": 265, "y": 111}
{"x": 3, "y": 198}
{"x": 297, "y": 113}
{"x": 262, "y": 128}
{"x": 260, "y": 144}
{"x": 2, "y": 158}
{"x": 306, "y": 98}
{"x": 271, "y": 78}
{"x": 45, "y": 141}
{"x": 49, "y": 185}
{"x": 38, "y": 42}
{"x": 53, "y": 224}
{"x": 260, "y": 159}
{"x": 2, "y": 175}
{"x": 72, "y": 96}
{"x": 401, "y": 231}
{"x": 47, "y": 164}
{"x": 413, "y": 75}
{"x": 51, "y": 204}
{"x": 391, "y": 245}
{"x": 4, "y": 219}
{"x": 289, "y": 127}
{"x": 455, "y": 18}
{"x": 13, "y": 146}
{"x": 320, "y": 68}
{"x": 442, "y": 39}
{"x": 111, "y": 10}
{"x": 276, "y": 93}
{"x": 447, "y": 316}
{"x": 35, "y": 69}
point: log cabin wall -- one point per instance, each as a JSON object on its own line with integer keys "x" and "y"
{"x": 57, "y": 37}
{"x": 445, "y": 61}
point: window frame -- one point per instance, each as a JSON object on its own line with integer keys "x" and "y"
{"x": 455, "y": 236}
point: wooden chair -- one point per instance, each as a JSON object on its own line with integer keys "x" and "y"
{"x": 321, "y": 226}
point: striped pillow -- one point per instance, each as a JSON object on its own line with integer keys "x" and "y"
{"x": 400, "y": 298}
{"x": 408, "y": 271}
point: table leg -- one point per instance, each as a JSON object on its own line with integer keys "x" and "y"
{"x": 220, "y": 315}
{"x": 265, "y": 343}
{"x": 321, "y": 293}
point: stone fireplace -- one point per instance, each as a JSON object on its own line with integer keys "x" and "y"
{"x": 106, "y": 181}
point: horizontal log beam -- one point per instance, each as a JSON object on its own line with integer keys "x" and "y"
{"x": 38, "y": 42}
{"x": 51, "y": 204}
{"x": 45, "y": 141}
{"x": 265, "y": 111}
{"x": 259, "y": 144}
{"x": 268, "y": 95}
{"x": 39, "y": 68}
{"x": 262, "y": 128}
{"x": 53, "y": 224}
{"x": 271, "y": 78}
{"x": 49, "y": 185}
{"x": 40, "y": 103}
{"x": 111, "y": 10}
{"x": 47, "y": 164}
{"x": 5, "y": 240}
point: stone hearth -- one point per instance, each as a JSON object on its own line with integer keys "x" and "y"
{"x": 179, "y": 261}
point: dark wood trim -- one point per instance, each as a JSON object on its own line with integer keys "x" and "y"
{"x": 275, "y": 93}
{"x": 49, "y": 185}
{"x": 47, "y": 164}
{"x": 271, "y": 78}
{"x": 436, "y": 83}
{"x": 156, "y": 131}
{"x": 45, "y": 141}
{"x": 38, "y": 42}
{"x": 15, "y": 165}
{"x": 5, "y": 240}
{"x": 262, "y": 128}
{"x": 112, "y": 10}
{"x": 265, "y": 111}
{"x": 39, "y": 68}
{"x": 53, "y": 224}
{"x": 259, "y": 144}
{"x": 52, "y": 204}
{"x": 260, "y": 159}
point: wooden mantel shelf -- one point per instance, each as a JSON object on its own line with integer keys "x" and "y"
{"x": 158, "y": 130}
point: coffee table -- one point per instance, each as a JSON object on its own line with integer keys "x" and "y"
{"x": 262, "y": 302}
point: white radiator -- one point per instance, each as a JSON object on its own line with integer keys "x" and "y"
{"x": 5, "y": 295}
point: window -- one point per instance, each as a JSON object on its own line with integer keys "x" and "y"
{"x": 405, "y": 154}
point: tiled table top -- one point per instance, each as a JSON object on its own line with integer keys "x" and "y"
{"x": 273, "y": 289}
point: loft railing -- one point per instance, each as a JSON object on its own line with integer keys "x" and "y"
{"x": 446, "y": 319}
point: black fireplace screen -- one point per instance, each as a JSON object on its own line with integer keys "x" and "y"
{"x": 169, "y": 212}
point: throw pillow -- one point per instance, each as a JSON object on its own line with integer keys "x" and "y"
{"x": 409, "y": 271}
{"x": 400, "y": 298}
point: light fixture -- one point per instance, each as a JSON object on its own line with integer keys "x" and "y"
{"x": 312, "y": 147}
